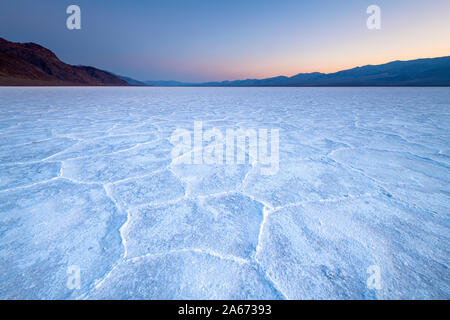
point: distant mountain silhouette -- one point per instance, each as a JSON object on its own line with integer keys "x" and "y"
{"x": 132, "y": 82}
{"x": 420, "y": 72}
{"x": 31, "y": 64}
{"x": 167, "y": 83}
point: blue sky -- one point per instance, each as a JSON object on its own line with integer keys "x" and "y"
{"x": 204, "y": 40}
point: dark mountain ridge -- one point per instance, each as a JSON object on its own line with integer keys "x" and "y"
{"x": 23, "y": 64}
{"x": 420, "y": 72}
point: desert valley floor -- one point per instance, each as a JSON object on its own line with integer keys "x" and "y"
{"x": 88, "y": 181}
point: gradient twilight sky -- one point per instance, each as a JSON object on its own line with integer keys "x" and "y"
{"x": 211, "y": 40}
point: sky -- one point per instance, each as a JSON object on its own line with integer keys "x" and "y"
{"x": 215, "y": 40}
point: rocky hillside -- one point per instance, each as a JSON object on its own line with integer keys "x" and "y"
{"x": 28, "y": 64}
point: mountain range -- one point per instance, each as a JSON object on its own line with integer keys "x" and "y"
{"x": 33, "y": 65}
{"x": 420, "y": 72}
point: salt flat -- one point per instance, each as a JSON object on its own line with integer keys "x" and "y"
{"x": 87, "y": 179}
